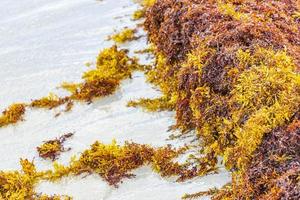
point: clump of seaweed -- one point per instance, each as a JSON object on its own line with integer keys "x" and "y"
{"x": 144, "y": 51}
{"x": 230, "y": 10}
{"x": 114, "y": 162}
{"x": 51, "y": 149}
{"x": 273, "y": 172}
{"x": 12, "y": 114}
{"x": 19, "y": 185}
{"x": 146, "y": 3}
{"x": 112, "y": 66}
{"x": 138, "y": 14}
{"x": 49, "y": 102}
{"x": 232, "y": 70}
{"x": 152, "y": 105}
{"x": 90, "y": 90}
{"x": 296, "y": 15}
{"x": 125, "y": 35}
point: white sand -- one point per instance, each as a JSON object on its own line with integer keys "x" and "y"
{"x": 44, "y": 43}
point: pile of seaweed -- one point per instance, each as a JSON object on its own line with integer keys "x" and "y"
{"x": 230, "y": 69}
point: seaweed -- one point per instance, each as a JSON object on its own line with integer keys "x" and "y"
{"x": 123, "y": 36}
{"x": 138, "y": 14}
{"x": 145, "y": 3}
{"x": 152, "y": 105}
{"x": 12, "y": 114}
{"x": 112, "y": 66}
{"x": 230, "y": 10}
{"x": 274, "y": 168}
{"x": 233, "y": 68}
{"x": 114, "y": 162}
{"x": 53, "y": 148}
{"x": 19, "y": 185}
{"x": 49, "y": 102}
{"x": 200, "y": 194}
{"x": 53, "y": 197}
{"x": 162, "y": 76}
{"x": 90, "y": 90}
{"x": 144, "y": 51}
